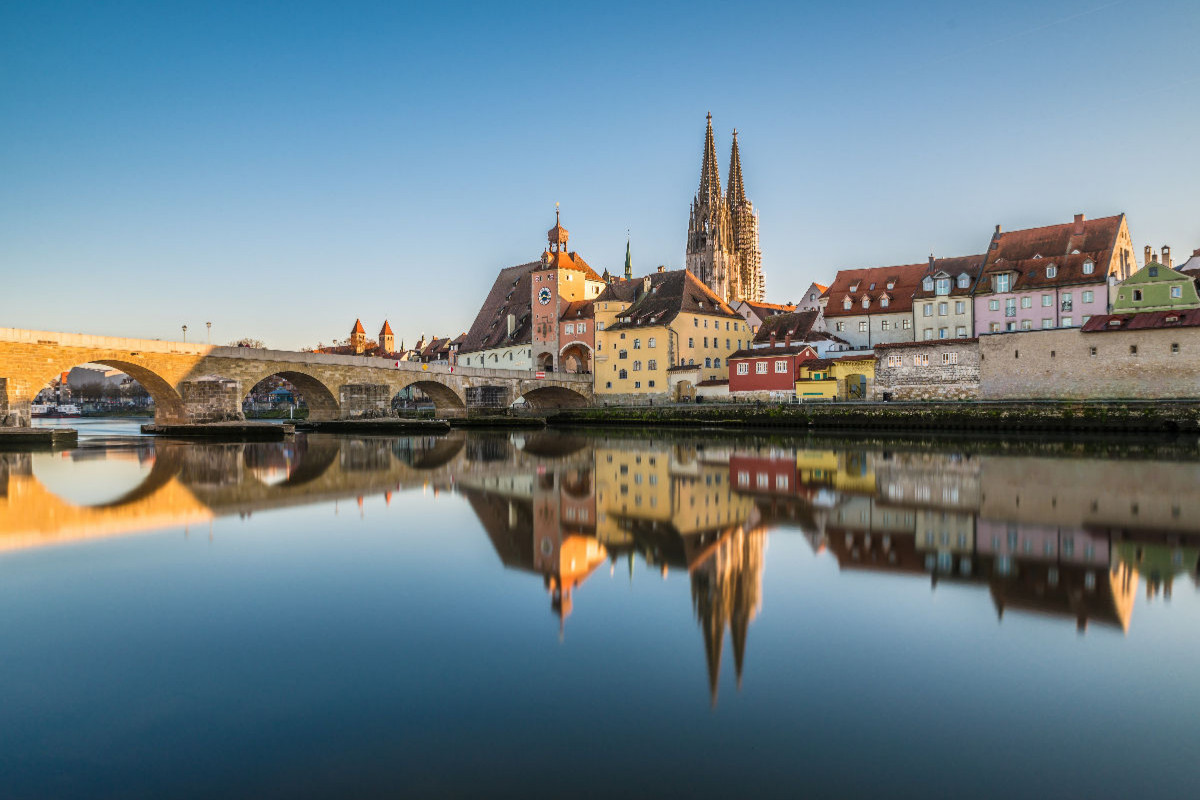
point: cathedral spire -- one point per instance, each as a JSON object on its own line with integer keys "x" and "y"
{"x": 710, "y": 173}
{"x": 736, "y": 193}
{"x": 628, "y": 261}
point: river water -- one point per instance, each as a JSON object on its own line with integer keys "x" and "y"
{"x": 549, "y": 614}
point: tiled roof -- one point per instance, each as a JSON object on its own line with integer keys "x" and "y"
{"x": 386, "y": 330}
{"x": 573, "y": 261}
{"x": 713, "y": 382}
{"x": 358, "y": 328}
{"x": 578, "y": 309}
{"x": 672, "y": 293}
{"x": 764, "y": 310}
{"x": 510, "y": 294}
{"x": 952, "y": 267}
{"x": 1028, "y": 252}
{"x": 1104, "y": 323}
{"x": 926, "y": 343}
{"x": 683, "y": 367}
{"x": 904, "y": 278}
{"x": 797, "y": 324}
{"x": 620, "y": 290}
{"x": 778, "y": 350}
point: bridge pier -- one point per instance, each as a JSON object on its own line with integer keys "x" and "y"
{"x": 365, "y": 400}
{"x": 206, "y": 400}
{"x": 14, "y": 411}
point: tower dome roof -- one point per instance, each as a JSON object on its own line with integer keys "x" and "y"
{"x": 558, "y": 234}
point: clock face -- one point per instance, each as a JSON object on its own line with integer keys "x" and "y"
{"x": 544, "y": 296}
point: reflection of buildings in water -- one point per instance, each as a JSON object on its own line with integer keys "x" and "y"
{"x": 1159, "y": 563}
{"x": 727, "y": 594}
{"x": 1065, "y": 589}
{"x": 272, "y": 463}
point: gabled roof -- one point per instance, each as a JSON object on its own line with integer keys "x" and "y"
{"x": 510, "y": 294}
{"x": 952, "y": 267}
{"x": 1104, "y": 323}
{"x": 571, "y": 261}
{"x": 672, "y": 293}
{"x": 905, "y": 280}
{"x": 798, "y": 325}
{"x": 764, "y": 310}
{"x": 796, "y": 348}
{"x": 578, "y": 309}
{"x": 620, "y": 290}
{"x": 1027, "y": 253}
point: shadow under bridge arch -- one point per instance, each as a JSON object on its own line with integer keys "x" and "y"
{"x": 168, "y": 403}
{"x": 447, "y": 402}
{"x": 551, "y": 396}
{"x": 322, "y": 402}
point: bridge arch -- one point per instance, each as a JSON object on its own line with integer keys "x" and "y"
{"x": 576, "y": 358}
{"x": 168, "y": 404}
{"x": 447, "y": 401}
{"x": 543, "y": 395}
{"x": 321, "y": 399}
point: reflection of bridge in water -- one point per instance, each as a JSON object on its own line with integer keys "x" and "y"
{"x": 1066, "y": 538}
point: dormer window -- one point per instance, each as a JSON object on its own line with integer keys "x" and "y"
{"x": 872, "y": 286}
{"x": 1003, "y": 282}
{"x": 1075, "y": 252}
{"x": 866, "y": 302}
{"x": 927, "y": 284}
{"x": 964, "y": 281}
{"x": 1051, "y": 271}
{"x": 943, "y": 286}
{"x": 1037, "y": 255}
{"x": 891, "y": 284}
{"x": 847, "y": 304}
{"x": 854, "y": 288}
{"x": 885, "y": 302}
{"x": 1089, "y": 267}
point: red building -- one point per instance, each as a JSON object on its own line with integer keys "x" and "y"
{"x": 768, "y": 370}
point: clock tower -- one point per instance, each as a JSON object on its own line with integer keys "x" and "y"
{"x": 560, "y": 279}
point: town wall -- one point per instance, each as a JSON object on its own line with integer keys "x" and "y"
{"x": 936, "y": 381}
{"x": 1067, "y": 364}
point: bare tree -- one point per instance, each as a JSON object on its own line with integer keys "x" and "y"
{"x": 246, "y": 341}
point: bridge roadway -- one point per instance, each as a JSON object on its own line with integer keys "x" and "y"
{"x": 195, "y": 383}
{"x": 192, "y": 484}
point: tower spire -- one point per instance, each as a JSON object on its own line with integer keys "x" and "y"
{"x": 736, "y": 193}
{"x": 628, "y": 259}
{"x": 710, "y": 173}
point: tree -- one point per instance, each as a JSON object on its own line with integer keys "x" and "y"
{"x": 246, "y": 341}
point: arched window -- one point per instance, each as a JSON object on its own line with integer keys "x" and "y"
{"x": 637, "y": 366}
{"x": 964, "y": 281}
{"x": 716, "y": 362}
{"x": 623, "y": 374}
{"x": 708, "y": 363}
{"x": 1089, "y": 267}
{"x": 1051, "y": 271}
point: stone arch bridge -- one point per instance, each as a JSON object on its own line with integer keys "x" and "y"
{"x": 193, "y": 383}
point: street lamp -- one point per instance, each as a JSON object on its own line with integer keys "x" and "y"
{"x": 185, "y": 333}
{"x": 209, "y": 326}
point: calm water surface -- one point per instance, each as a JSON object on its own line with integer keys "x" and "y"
{"x": 555, "y": 615}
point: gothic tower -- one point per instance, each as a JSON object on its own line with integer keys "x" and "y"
{"x": 710, "y": 253}
{"x": 746, "y": 279}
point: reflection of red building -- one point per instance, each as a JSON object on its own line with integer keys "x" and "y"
{"x": 763, "y": 475}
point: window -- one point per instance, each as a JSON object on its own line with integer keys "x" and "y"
{"x": 1091, "y": 351}
{"x": 760, "y": 368}
{"x": 906, "y": 323}
{"x": 853, "y": 288}
{"x": 743, "y": 368}
{"x": 650, "y": 342}
{"x": 1026, "y": 302}
{"x": 1137, "y": 295}
{"x": 949, "y": 358}
{"x": 570, "y": 329}
{"x": 921, "y": 360}
{"x": 1133, "y": 349}
{"x": 994, "y": 327}
{"x": 960, "y": 307}
{"x": 637, "y": 384}
{"x": 781, "y": 367}
{"x": 1047, "y": 322}
{"x": 695, "y": 322}
{"x": 622, "y": 374}
{"x": 1026, "y": 324}
{"x": 1176, "y": 292}
{"x": 1089, "y": 296}
{"x": 651, "y": 385}
{"x": 943, "y": 308}
{"x": 716, "y": 362}
{"x": 884, "y": 325}
{"x": 885, "y": 301}
{"x": 1089, "y": 267}
{"x": 581, "y": 327}
{"x": 691, "y": 342}
{"x": 637, "y": 344}
{"x": 927, "y": 284}
{"x": 637, "y": 366}
{"x": 960, "y": 332}
{"x": 866, "y": 302}
{"x": 943, "y": 286}
{"x": 927, "y": 333}
{"x": 1010, "y": 307}
{"x": 1174, "y": 348}
{"x": 1067, "y": 322}
{"x": 943, "y": 333}
{"x": 846, "y": 304}
{"x": 781, "y": 482}
{"x": 1003, "y": 282}
{"x": 993, "y": 305}
{"x": 708, "y": 363}
{"x": 929, "y": 309}
{"x": 652, "y": 364}
{"x": 1153, "y": 271}
{"x": 727, "y": 345}
{"x": 862, "y": 327}
{"x": 964, "y": 281}
{"x": 1085, "y": 318}
{"x": 706, "y": 341}
{"x": 622, "y": 334}
{"x": 839, "y": 326}
{"x": 623, "y": 354}
{"x": 599, "y": 326}
{"x": 1051, "y": 271}
{"x": 1047, "y": 300}
{"x": 608, "y": 384}
{"x": 893, "y": 361}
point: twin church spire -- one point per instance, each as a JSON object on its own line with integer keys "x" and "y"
{"x": 722, "y": 246}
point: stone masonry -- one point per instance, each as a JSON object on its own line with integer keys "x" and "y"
{"x": 201, "y": 383}
{"x": 939, "y": 369}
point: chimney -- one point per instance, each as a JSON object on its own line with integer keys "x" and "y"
{"x": 995, "y": 239}
{"x": 1166, "y": 256}
{"x": 772, "y": 338}
{"x": 1079, "y": 224}
{"x": 787, "y": 338}
{"x": 931, "y": 260}
{"x": 1149, "y": 255}
{"x": 662, "y": 268}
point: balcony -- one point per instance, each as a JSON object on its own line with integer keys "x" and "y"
{"x": 1067, "y": 305}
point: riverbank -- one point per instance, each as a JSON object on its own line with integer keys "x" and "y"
{"x": 1109, "y": 418}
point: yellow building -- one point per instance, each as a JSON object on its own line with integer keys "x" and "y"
{"x": 665, "y": 321}
{"x": 844, "y": 378}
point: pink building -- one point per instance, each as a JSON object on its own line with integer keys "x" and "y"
{"x": 1058, "y": 276}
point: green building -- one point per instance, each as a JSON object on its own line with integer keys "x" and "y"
{"x": 1156, "y": 287}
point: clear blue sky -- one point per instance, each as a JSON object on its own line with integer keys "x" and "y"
{"x": 282, "y": 168}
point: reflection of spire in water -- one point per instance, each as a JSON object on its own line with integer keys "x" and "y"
{"x": 727, "y": 592}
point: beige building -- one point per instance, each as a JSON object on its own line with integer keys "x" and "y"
{"x": 667, "y": 319}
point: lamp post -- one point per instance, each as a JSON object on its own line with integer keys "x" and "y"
{"x": 209, "y": 326}
{"x": 185, "y": 333}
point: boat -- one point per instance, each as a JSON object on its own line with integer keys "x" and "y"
{"x": 55, "y": 411}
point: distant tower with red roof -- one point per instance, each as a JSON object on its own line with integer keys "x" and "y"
{"x": 358, "y": 337}
{"x": 387, "y": 340}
